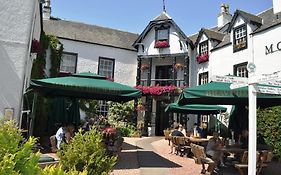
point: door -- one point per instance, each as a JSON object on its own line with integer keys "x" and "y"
{"x": 162, "y": 119}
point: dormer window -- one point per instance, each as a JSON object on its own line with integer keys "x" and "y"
{"x": 240, "y": 38}
{"x": 203, "y": 52}
{"x": 162, "y": 37}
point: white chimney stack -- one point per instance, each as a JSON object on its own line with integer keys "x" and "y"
{"x": 224, "y": 16}
{"x": 276, "y": 6}
{"x": 47, "y": 9}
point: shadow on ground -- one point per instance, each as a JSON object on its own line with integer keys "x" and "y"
{"x": 151, "y": 159}
{"x": 127, "y": 146}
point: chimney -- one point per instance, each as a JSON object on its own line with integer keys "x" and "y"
{"x": 224, "y": 16}
{"x": 276, "y": 6}
{"x": 47, "y": 9}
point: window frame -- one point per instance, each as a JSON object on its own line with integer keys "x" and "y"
{"x": 162, "y": 27}
{"x": 236, "y": 66}
{"x": 200, "y": 77}
{"x": 113, "y": 65}
{"x": 76, "y": 60}
{"x": 235, "y": 49}
{"x": 200, "y": 46}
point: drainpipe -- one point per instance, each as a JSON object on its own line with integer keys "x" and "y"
{"x": 27, "y": 57}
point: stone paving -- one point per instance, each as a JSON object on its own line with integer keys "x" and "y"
{"x": 150, "y": 156}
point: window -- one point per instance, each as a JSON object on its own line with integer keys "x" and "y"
{"x": 203, "y": 48}
{"x": 162, "y": 37}
{"x": 240, "y": 38}
{"x": 106, "y": 67}
{"x": 68, "y": 63}
{"x": 203, "y": 78}
{"x": 203, "y": 52}
{"x": 240, "y": 70}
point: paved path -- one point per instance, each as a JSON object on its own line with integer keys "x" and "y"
{"x": 150, "y": 156}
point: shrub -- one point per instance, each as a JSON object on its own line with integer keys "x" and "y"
{"x": 57, "y": 170}
{"x": 86, "y": 152}
{"x": 269, "y": 127}
{"x": 16, "y": 157}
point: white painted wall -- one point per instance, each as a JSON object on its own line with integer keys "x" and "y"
{"x": 271, "y": 62}
{"x": 125, "y": 70}
{"x": 16, "y": 21}
{"x": 174, "y": 41}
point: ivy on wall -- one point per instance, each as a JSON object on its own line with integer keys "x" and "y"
{"x": 39, "y": 71}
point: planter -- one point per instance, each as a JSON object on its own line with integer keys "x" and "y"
{"x": 161, "y": 44}
{"x": 202, "y": 58}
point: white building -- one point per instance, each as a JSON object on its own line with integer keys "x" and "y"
{"x": 20, "y": 23}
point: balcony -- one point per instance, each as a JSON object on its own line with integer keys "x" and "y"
{"x": 163, "y": 82}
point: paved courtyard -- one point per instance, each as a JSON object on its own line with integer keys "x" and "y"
{"x": 150, "y": 156}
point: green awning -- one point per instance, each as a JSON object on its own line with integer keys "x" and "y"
{"x": 85, "y": 85}
{"x": 220, "y": 93}
{"x": 195, "y": 109}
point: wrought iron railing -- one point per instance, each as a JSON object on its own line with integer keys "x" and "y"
{"x": 163, "y": 82}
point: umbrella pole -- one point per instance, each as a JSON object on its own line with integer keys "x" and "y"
{"x": 32, "y": 116}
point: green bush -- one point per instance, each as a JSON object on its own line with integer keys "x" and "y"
{"x": 57, "y": 170}
{"x": 269, "y": 127}
{"x": 86, "y": 152}
{"x": 126, "y": 131}
{"x": 16, "y": 157}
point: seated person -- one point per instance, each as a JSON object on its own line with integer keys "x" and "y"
{"x": 213, "y": 149}
{"x": 175, "y": 132}
{"x": 64, "y": 134}
{"x": 182, "y": 129}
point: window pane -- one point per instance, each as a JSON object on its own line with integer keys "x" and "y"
{"x": 68, "y": 63}
{"x": 162, "y": 34}
{"x": 106, "y": 67}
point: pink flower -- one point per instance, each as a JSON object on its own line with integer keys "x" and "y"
{"x": 161, "y": 44}
{"x": 202, "y": 58}
{"x": 156, "y": 90}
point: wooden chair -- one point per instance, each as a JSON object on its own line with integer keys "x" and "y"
{"x": 53, "y": 142}
{"x": 182, "y": 146}
{"x": 201, "y": 158}
{"x": 167, "y": 135}
{"x": 242, "y": 167}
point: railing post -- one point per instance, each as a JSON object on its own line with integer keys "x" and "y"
{"x": 186, "y": 70}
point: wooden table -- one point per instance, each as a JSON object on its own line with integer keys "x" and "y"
{"x": 197, "y": 140}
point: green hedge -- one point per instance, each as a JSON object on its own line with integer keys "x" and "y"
{"x": 269, "y": 127}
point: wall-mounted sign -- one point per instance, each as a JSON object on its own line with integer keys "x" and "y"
{"x": 272, "y": 48}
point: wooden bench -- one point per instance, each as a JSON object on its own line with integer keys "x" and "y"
{"x": 201, "y": 158}
{"x": 263, "y": 158}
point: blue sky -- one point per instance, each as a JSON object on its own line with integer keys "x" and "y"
{"x": 134, "y": 15}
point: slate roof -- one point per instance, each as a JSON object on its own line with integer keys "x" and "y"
{"x": 162, "y": 16}
{"x": 264, "y": 20}
{"x": 211, "y": 34}
{"x": 90, "y": 33}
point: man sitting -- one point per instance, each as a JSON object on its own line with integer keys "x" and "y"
{"x": 213, "y": 149}
{"x": 175, "y": 132}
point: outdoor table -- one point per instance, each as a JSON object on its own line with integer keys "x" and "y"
{"x": 197, "y": 140}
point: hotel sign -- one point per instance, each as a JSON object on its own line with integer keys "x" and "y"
{"x": 272, "y": 48}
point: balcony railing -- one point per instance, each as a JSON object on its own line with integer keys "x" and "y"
{"x": 163, "y": 82}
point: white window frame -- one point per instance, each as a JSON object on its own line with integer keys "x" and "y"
{"x": 204, "y": 48}
{"x": 240, "y": 70}
{"x": 68, "y": 62}
{"x": 106, "y": 67}
{"x": 203, "y": 78}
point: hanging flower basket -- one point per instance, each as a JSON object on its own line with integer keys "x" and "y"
{"x": 140, "y": 107}
{"x": 202, "y": 58}
{"x": 144, "y": 67}
{"x": 178, "y": 66}
{"x": 161, "y": 44}
{"x": 36, "y": 46}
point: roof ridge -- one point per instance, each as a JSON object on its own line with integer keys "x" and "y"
{"x": 264, "y": 11}
{"x": 92, "y": 25}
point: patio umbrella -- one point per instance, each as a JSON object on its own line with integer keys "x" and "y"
{"x": 82, "y": 85}
{"x": 220, "y": 93}
{"x": 85, "y": 85}
{"x": 195, "y": 109}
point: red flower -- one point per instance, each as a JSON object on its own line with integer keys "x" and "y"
{"x": 36, "y": 46}
{"x": 161, "y": 44}
{"x": 202, "y": 58}
{"x": 156, "y": 90}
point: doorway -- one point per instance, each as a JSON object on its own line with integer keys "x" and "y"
{"x": 162, "y": 118}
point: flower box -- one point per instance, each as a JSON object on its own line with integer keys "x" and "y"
{"x": 161, "y": 44}
{"x": 240, "y": 45}
{"x": 202, "y": 58}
